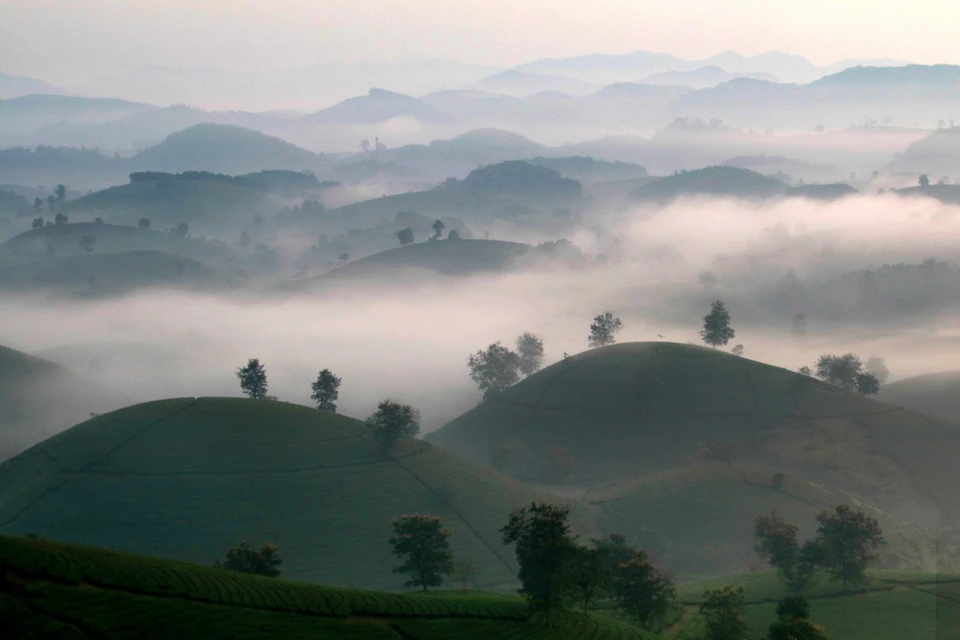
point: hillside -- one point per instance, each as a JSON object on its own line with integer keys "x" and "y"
{"x": 937, "y": 394}
{"x": 377, "y": 106}
{"x": 108, "y": 274}
{"x": 55, "y": 590}
{"x": 186, "y": 479}
{"x": 718, "y": 181}
{"x": 646, "y": 408}
{"x": 937, "y": 154}
{"x": 894, "y": 606}
{"x": 39, "y": 398}
{"x": 223, "y": 149}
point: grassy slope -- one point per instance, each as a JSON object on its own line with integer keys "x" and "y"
{"x": 894, "y": 606}
{"x": 714, "y": 181}
{"x": 99, "y": 274}
{"x": 937, "y": 394}
{"x": 186, "y": 479}
{"x": 54, "y": 590}
{"x": 642, "y": 408}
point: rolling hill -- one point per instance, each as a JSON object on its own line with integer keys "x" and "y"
{"x": 937, "y": 394}
{"x": 55, "y": 590}
{"x": 648, "y": 408}
{"x": 717, "y": 181}
{"x": 39, "y": 398}
{"x": 187, "y": 478}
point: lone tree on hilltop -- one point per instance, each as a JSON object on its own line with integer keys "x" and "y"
{"x": 326, "y": 391}
{"x": 253, "y": 379}
{"x": 544, "y": 548}
{"x": 37, "y": 223}
{"x": 530, "y": 349}
{"x": 848, "y": 541}
{"x": 716, "y": 326}
{"x": 603, "y": 330}
{"x": 264, "y": 561}
{"x": 840, "y": 371}
{"x": 723, "y": 612}
{"x": 405, "y": 236}
{"x": 437, "y": 229}
{"x": 494, "y": 368}
{"x": 392, "y": 422}
{"x": 420, "y": 542}
{"x": 924, "y": 181}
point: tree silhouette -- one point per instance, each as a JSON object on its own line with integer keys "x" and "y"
{"x": 603, "y": 330}
{"x": 405, "y": 236}
{"x": 392, "y": 422}
{"x": 326, "y": 391}
{"x": 716, "y": 326}
{"x": 253, "y": 379}
{"x": 420, "y": 541}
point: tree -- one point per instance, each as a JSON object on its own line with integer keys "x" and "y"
{"x": 924, "y": 180}
{"x": 737, "y": 350}
{"x": 393, "y": 421}
{"x": 437, "y": 229}
{"x": 60, "y": 193}
{"x": 840, "y": 371}
{"x": 544, "y": 549}
{"x": 245, "y": 240}
{"x": 87, "y": 242}
{"x": 405, "y": 236}
{"x": 530, "y": 349}
{"x": 343, "y": 258}
{"x": 37, "y": 223}
{"x": 420, "y": 542}
{"x": 144, "y": 223}
{"x": 614, "y": 550}
{"x": 847, "y": 540}
{"x": 793, "y": 621}
{"x": 867, "y": 384}
{"x": 642, "y": 590}
{"x": 465, "y": 572}
{"x": 590, "y": 577}
{"x": 61, "y": 219}
{"x": 603, "y": 330}
{"x": 494, "y": 369}
{"x": 182, "y": 230}
{"x": 878, "y": 369}
{"x": 37, "y": 205}
{"x": 723, "y": 614}
{"x": 51, "y": 202}
{"x": 264, "y": 561}
{"x": 777, "y": 543}
{"x": 253, "y": 379}
{"x": 453, "y": 235}
{"x": 716, "y": 326}
{"x": 326, "y": 391}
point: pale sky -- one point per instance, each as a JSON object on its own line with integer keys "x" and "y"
{"x": 61, "y": 40}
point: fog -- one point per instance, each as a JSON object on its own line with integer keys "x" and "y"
{"x": 410, "y": 342}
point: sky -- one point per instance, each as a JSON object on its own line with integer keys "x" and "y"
{"x": 62, "y": 40}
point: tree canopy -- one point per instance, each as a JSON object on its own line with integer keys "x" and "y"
{"x": 264, "y": 561}
{"x": 326, "y": 390}
{"x": 392, "y": 422}
{"x": 603, "y": 330}
{"x": 716, "y": 326}
{"x": 253, "y": 379}
{"x": 494, "y": 369}
{"x": 420, "y": 542}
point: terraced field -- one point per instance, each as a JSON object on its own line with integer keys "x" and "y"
{"x": 893, "y": 606}
{"x": 55, "y": 590}
{"x": 187, "y": 478}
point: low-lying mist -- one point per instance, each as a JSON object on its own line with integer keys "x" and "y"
{"x": 391, "y": 339}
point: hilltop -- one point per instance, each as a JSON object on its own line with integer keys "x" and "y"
{"x": 69, "y": 591}
{"x": 935, "y": 393}
{"x": 646, "y": 408}
{"x": 39, "y": 398}
{"x": 187, "y": 478}
{"x": 721, "y": 181}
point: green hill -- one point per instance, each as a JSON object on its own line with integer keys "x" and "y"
{"x": 188, "y": 478}
{"x": 55, "y": 590}
{"x": 936, "y": 393}
{"x": 39, "y": 398}
{"x": 106, "y": 274}
{"x": 894, "y": 606}
{"x": 645, "y": 408}
{"x": 718, "y": 181}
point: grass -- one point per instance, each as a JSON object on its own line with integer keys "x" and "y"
{"x": 894, "y": 606}
{"x": 935, "y": 393}
{"x": 187, "y": 478}
{"x": 70, "y": 591}
{"x": 104, "y": 274}
{"x": 641, "y": 410}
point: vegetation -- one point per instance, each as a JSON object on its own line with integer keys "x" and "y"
{"x": 846, "y": 372}
{"x": 494, "y": 369}
{"x": 420, "y": 542}
{"x": 716, "y": 327}
{"x": 545, "y": 550}
{"x": 723, "y": 611}
{"x": 326, "y": 390}
{"x": 253, "y": 379}
{"x": 793, "y": 621}
{"x": 405, "y": 236}
{"x": 530, "y": 350}
{"x": 603, "y": 330}
{"x": 393, "y": 422}
{"x": 264, "y": 561}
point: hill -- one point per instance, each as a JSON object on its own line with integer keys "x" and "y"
{"x": 56, "y": 590}
{"x": 647, "y": 408}
{"x": 115, "y": 273}
{"x": 833, "y": 191}
{"x": 583, "y": 168}
{"x": 187, "y": 478}
{"x": 518, "y": 83}
{"x": 936, "y": 154}
{"x": 717, "y": 181}
{"x": 709, "y": 76}
{"x": 223, "y": 149}
{"x": 893, "y": 606}
{"x": 937, "y": 394}
{"x": 16, "y": 86}
{"x": 378, "y": 105}
{"x": 521, "y": 179}
{"x": 39, "y": 398}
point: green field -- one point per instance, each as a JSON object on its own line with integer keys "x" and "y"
{"x": 186, "y": 479}
{"x": 105, "y": 274}
{"x": 937, "y": 394}
{"x": 55, "y": 590}
{"x": 893, "y": 606}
